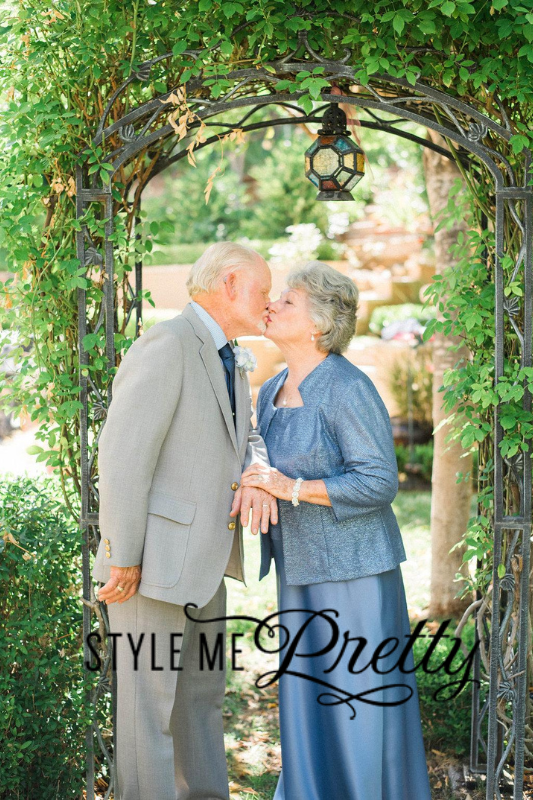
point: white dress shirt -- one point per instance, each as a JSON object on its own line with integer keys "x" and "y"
{"x": 212, "y": 326}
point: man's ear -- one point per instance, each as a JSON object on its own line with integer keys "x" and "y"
{"x": 230, "y": 282}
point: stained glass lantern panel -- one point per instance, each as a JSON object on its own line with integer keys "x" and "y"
{"x": 326, "y": 161}
{"x": 352, "y": 182}
{"x": 343, "y": 144}
{"x": 348, "y": 160}
{"x": 344, "y": 176}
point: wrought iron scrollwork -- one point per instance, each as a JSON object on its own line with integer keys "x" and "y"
{"x": 481, "y": 140}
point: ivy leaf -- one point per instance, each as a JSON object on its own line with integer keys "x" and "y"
{"x": 282, "y": 85}
{"x": 448, "y": 8}
{"x": 230, "y": 9}
{"x": 34, "y": 450}
{"x": 306, "y": 101}
{"x": 398, "y": 24}
{"x": 427, "y": 26}
{"x": 518, "y": 143}
{"x": 179, "y": 47}
{"x": 226, "y": 48}
{"x": 505, "y": 28}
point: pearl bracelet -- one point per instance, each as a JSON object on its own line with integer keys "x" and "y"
{"x": 296, "y": 492}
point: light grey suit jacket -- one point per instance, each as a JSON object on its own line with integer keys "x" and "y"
{"x": 169, "y": 461}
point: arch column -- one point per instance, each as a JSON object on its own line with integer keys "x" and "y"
{"x": 141, "y": 130}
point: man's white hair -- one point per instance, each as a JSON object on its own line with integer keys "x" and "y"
{"x": 218, "y": 259}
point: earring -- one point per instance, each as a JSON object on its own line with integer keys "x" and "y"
{"x": 312, "y": 337}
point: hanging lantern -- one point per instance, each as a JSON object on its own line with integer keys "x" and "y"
{"x": 334, "y": 163}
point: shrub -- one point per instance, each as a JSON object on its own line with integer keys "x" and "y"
{"x": 422, "y": 456}
{"x": 42, "y": 714}
{"x": 419, "y": 365}
{"x": 443, "y": 720}
{"x": 329, "y": 250}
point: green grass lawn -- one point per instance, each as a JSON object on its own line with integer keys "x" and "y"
{"x": 251, "y": 717}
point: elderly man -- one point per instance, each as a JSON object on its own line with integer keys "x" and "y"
{"x": 175, "y": 443}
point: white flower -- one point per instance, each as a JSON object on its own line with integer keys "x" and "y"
{"x": 244, "y": 359}
{"x": 301, "y": 246}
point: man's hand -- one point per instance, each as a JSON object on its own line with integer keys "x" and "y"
{"x": 264, "y": 508}
{"x": 128, "y": 578}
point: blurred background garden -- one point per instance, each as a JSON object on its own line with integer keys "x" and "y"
{"x": 257, "y": 195}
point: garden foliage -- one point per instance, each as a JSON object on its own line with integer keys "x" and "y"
{"x": 42, "y": 710}
{"x": 62, "y": 63}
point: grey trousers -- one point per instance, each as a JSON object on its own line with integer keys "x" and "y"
{"x": 169, "y": 742}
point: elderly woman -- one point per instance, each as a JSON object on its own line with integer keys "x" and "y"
{"x": 349, "y": 716}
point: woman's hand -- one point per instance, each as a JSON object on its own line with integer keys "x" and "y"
{"x": 270, "y": 479}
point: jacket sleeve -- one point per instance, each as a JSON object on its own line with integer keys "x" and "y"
{"x": 256, "y": 452}
{"x": 146, "y": 390}
{"x": 364, "y": 434}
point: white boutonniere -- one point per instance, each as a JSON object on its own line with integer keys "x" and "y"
{"x": 245, "y": 359}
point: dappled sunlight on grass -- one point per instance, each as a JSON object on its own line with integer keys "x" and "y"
{"x": 412, "y": 510}
{"x": 251, "y": 714}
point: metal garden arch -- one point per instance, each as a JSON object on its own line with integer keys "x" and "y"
{"x": 504, "y": 712}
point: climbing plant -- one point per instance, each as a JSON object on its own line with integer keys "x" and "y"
{"x": 62, "y": 70}
{"x": 62, "y": 62}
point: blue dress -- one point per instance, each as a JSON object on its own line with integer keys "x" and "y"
{"x": 338, "y": 747}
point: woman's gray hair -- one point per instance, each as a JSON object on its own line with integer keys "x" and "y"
{"x": 333, "y": 301}
{"x": 217, "y": 259}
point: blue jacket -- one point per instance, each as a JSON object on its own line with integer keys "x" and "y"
{"x": 341, "y": 435}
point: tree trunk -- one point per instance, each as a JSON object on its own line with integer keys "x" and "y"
{"x": 450, "y": 501}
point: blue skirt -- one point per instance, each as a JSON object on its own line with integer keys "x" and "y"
{"x": 327, "y": 752}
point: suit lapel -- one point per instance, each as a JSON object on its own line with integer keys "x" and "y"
{"x": 242, "y": 405}
{"x": 215, "y": 371}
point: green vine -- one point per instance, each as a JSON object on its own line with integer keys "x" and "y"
{"x": 468, "y": 312}
{"x": 62, "y": 63}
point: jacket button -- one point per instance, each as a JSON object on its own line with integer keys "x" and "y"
{"x": 234, "y": 486}
{"x": 231, "y": 526}
{"x": 108, "y": 547}
{"x": 106, "y": 541}
{"x": 108, "y": 555}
